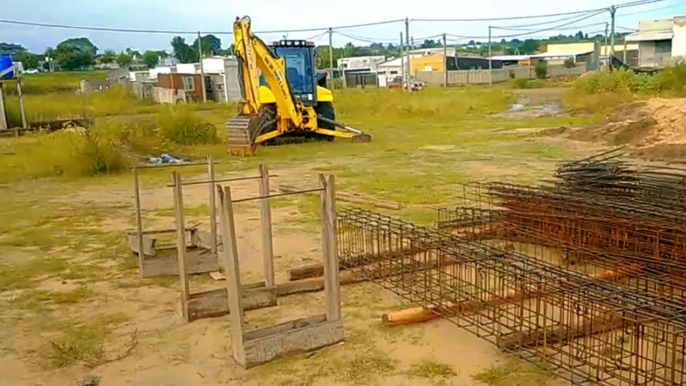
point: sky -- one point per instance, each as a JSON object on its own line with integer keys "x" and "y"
{"x": 270, "y": 15}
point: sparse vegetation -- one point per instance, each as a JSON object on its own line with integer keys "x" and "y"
{"x": 433, "y": 370}
{"x": 514, "y": 372}
{"x": 82, "y": 342}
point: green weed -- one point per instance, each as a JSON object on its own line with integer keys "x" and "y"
{"x": 82, "y": 342}
{"x": 436, "y": 371}
{"x": 514, "y": 372}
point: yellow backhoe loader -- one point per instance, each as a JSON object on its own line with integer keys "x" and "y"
{"x": 282, "y": 95}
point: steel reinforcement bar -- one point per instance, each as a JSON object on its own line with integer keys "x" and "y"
{"x": 585, "y": 328}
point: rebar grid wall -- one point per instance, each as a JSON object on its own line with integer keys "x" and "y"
{"x": 583, "y": 327}
{"x": 600, "y": 213}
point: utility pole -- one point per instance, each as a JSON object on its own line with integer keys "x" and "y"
{"x": 605, "y": 51}
{"x": 445, "y": 62}
{"x": 613, "y": 10}
{"x": 407, "y": 46}
{"x": 202, "y": 70}
{"x": 333, "y": 84}
{"x": 490, "y": 62}
{"x": 402, "y": 58}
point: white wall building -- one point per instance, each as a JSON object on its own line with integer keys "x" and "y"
{"x": 660, "y": 41}
{"x": 360, "y": 64}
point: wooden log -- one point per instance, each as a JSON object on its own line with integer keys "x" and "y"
{"x": 431, "y": 312}
{"x": 214, "y": 303}
{"x": 556, "y": 335}
{"x": 317, "y": 269}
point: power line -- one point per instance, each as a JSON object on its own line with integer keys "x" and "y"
{"x": 180, "y": 32}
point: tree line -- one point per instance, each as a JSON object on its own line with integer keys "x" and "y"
{"x": 81, "y": 53}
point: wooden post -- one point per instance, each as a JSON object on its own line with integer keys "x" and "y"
{"x": 139, "y": 218}
{"x": 3, "y": 113}
{"x": 266, "y": 226}
{"x": 181, "y": 243}
{"x": 24, "y": 124}
{"x": 332, "y": 286}
{"x": 233, "y": 277}
{"x": 213, "y": 204}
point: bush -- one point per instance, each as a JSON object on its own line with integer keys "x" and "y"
{"x": 541, "y": 69}
{"x": 183, "y": 127}
{"x": 519, "y": 83}
{"x": 70, "y": 153}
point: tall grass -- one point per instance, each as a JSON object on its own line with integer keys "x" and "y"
{"x": 601, "y": 91}
{"x": 114, "y": 101}
{"x": 108, "y": 147}
{"x": 437, "y": 106}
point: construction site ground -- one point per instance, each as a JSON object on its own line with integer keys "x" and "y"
{"x": 74, "y": 310}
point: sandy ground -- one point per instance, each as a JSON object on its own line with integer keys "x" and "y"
{"x": 170, "y": 351}
{"x": 148, "y": 343}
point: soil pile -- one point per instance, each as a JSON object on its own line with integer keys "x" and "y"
{"x": 655, "y": 129}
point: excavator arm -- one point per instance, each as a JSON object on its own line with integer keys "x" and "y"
{"x": 253, "y": 54}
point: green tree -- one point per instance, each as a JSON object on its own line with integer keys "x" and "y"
{"x": 72, "y": 58}
{"x": 28, "y": 59}
{"x": 108, "y": 57}
{"x": 82, "y": 44}
{"x": 11, "y": 48}
{"x": 182, "y": 51}
{"x": 123, "y": 59}
{"x": 541, "y": 69}
{"x": 210, "y": 44}
{"x": 151, "y": 58}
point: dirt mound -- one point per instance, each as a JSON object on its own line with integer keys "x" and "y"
{"x": 655, "y": 129}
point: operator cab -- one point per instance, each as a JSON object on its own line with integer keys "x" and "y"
{"x": 300, "y": 69}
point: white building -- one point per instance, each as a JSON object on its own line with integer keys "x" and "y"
{"x": 660, "y": 41}
{"x": 360, "y": 64}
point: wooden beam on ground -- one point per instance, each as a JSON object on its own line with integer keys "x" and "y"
{"x": 213, "y": 305}
{"x": 431, "y": 312}
{"x": 317, "y": 269}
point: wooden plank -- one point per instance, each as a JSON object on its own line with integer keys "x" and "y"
{"x": 269, "y": 348}
{"x": 210, "y": 304}
{"x": 197, "y": 262}
{"x": 139, "y": 218}
{"x": 148, "y": 244}
{"x": 333, "y": 286}
{"x": 213, "y": 204}
{"x": 233, "y": 281}
{"x": 180, "y": 244}
{"x": 317, "y": 269}
{"x": 266, "y": 227}
{"x": 162, "y": 231}
{"x": 285, "y": 327}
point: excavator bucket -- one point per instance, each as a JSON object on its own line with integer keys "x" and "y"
{"x": 238, "y": 136}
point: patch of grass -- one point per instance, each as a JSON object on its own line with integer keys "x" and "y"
{"x": 364, "y": 367}
{"x": 82, "y": 342}
{"x": 514, "y": 372}
{"x": 33, "y": 299}
{"x": 433, "y": 370}
{"x": 22, "y": 275}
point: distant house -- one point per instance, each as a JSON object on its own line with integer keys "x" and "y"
{"x": 581, "y": 50}
{"x": 660, "y": 41}
{"x": 360, "y": 64}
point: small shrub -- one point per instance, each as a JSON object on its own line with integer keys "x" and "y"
{"x": 511, "y": 74}
{"x": 185, "y": 128}
{"x": 519, "y": 83}
{"x": 569, "y": 63}
{"x": 541, "y": 69}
